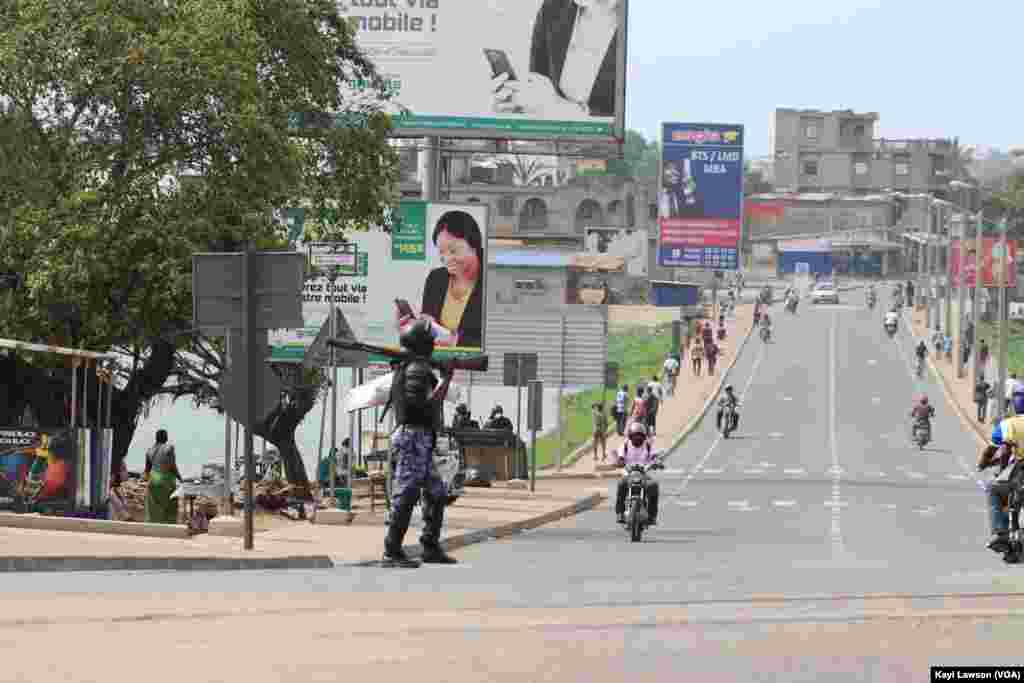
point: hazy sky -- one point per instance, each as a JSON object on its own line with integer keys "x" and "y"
{"x": 930, "y": 69}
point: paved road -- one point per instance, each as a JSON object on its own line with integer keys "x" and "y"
{"x": 818, "y": 494}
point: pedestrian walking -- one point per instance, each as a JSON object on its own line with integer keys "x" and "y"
{"x": 162, "y": 476}
{"x": 697, "y": 356}
{"x": 711, "y": 353}
{"x": 654, "y": 398}
{"x": 639, "y": 412}
{"x": 600, "y": 431}
{"x": 621, "y": 409}
{"x": 983, "y": 354}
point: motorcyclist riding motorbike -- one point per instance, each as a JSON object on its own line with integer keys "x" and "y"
{"x": 637, "y": 450}
{"x": 922, "y": 414}
{"x": 920, "y": 352}
{"x": 766, "y": 326}
{"x": 1001, "y": 453}
{"x": 726, "y": 400}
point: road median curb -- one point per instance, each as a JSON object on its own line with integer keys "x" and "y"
{"x": 138, "y": 564}
{"x": 493, "y": 533}
{"x": 950, "y": 395}
{"x": 699, "y": 417}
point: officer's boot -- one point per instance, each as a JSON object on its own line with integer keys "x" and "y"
{"x": 433, "y": 518}
{"x": 394, "y": 556}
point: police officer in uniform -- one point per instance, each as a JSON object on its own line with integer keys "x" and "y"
{"x": 417, "y": 400}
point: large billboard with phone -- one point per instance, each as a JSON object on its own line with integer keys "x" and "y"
{"x": 700, "y": 203}
{"x": 502, "y": 69}
{"x": 433, "y": 264}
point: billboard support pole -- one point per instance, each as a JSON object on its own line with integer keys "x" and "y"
{"x": 248, "y": 334}
{"x": 431, "y": 162}
{"x": 227, "y": 428}
{"x": 334, "y": 388}
{"x": 519, "y": 399}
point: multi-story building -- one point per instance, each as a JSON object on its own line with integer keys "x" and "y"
{"x": 550, "y": 212}
{"x": 840, "y": 152}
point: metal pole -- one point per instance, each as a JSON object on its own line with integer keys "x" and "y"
{"x": 227, "y": 427}
{"x": 334, "y": 390}
{"x": 431, "y": 176}
{"x": 979, "y": 282}
{"x": 533, "y": 461}
{"x": 961, "y": 366}
{"x": 74, "y": 392}
{"x": 359, "y": 431}
{"x": 353, "y": 437}
{"x": 1003, "y": 326}
{"x": 519, "y": 398}
{"x": 323, "y": 425}
{"x": 947, "y": 219}
{"x": 561, "y": 384}
{"x": 249, "y": 334}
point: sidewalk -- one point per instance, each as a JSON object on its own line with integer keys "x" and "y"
{"x": 678, "y": 412}
{"x": 959, "y": 392}
{"x": 479, "y": 515}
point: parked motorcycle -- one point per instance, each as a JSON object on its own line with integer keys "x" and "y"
{"x": 636, "y": 499}
{"x": 729, "y": 421}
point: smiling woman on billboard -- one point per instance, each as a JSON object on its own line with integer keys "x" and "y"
{"x": 452, "y": 294}
{"x": 573, "y": 57}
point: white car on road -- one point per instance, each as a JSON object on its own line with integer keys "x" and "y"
{"x": 825, "y": 293}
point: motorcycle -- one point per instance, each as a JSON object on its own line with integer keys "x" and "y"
{"x": 636, "y": 499}
{"x": 919, "y": 368}
{"x": 1012, "y": 486}
{"x": 729, "y": 421}
{"x": 871, "y": 303}
{"x": 891, "y": 329}
{"x": 766, "y": 333}
{"x": 922, "y": 434}
{"x": 791, "y": 304}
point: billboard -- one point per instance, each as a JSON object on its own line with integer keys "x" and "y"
{"x": 433, "y": 264}
{"x": 700, "y": 204}
{"x": 498, "y": 68}
{"x": 993, "y": 266}
{"x": 37, "y": 467}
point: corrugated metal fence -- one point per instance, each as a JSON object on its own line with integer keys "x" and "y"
{"x": 571, "y": 342}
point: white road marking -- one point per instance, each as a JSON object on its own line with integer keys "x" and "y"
{"x": 739, "y": 503}
{"x": 753, "y": 471}
{"x": 837, "y": 471}
{"x": 958, "y": 477}
{"x": 783, "y": 503}
{"x": 890, "y": 506}
{"x": 711, "y": 471}
{"x": 776, "y": 435}
{"x": 876, "y": 400}
{"x": 878, "y": 474}
{"x": 835, "y": 505}
{"x": 767, "y": 464}
{"x": 872, "y": 362}
{"x": 798, "y": 470}
{"x": 917, "y": 475}
{"x": 787, "y": 398}
{"x": 687, "y": 503}
{"x": 718, "y": 438}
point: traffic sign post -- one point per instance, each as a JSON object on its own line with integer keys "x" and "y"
{"x": 534, "y": 422}
{"x": 250, "y": 292}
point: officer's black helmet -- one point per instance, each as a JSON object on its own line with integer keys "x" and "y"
{"x": 419, "y": 338}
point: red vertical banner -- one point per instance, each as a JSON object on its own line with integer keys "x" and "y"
{"x": 994, "y": 264}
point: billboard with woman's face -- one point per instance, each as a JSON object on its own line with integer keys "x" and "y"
{"x": 431, "y": 265}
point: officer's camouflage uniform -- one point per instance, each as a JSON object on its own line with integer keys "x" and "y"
{"x": 418, "y": 416}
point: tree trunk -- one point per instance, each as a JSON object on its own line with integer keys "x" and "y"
{"x": 279, "y": 429}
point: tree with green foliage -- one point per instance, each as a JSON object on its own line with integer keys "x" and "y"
{"x": 640, "y": 158}
{"x": 134, "y": 133}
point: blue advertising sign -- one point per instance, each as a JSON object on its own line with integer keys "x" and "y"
{"x": 700, "y": 204}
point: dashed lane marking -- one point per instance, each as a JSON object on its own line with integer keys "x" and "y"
{"x": 796, "y": 470}
{"x": 783, "y": 503}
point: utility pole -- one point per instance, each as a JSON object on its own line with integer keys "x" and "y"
{"x": 979, "y": 282}
{"x": 1003, "y": 317}
{"x": 961, "y": 366}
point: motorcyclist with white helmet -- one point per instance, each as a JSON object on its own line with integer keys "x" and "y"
{"x": 729, "y": 398}
{"x": 892, "y": 318}
{"x": 637, "y": 450}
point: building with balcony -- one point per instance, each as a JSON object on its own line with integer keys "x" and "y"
{"x": 840, "y": 152}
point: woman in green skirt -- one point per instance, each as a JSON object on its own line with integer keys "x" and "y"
{"x": 163, "y": 477}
